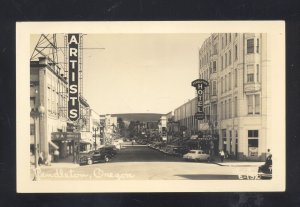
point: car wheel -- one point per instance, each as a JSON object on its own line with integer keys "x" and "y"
{"x": 89, "y": 162}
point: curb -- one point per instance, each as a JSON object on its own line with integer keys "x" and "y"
{"x": 233, "y": 165}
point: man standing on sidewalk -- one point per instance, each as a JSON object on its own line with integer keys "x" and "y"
{"x": 222, "y": 155}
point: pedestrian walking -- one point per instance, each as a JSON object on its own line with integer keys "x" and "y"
{"x": 41, "y": 159}
{"x": 222, "y": 155}
{"x": 56, "y": 155}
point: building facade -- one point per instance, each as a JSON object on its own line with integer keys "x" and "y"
{"x": 48, "y": 88}
{"x": 235, "y": 65}
{"x": 184, "y": 116}
{"x": 53, "y": 130}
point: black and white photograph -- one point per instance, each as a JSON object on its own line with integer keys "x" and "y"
{"x": 150, "y": 106}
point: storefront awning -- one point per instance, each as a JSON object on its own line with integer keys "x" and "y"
{"x": 85, "y": 142}
{"x": 53, "y": 145}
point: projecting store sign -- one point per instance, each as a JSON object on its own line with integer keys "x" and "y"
{"x": 200, "y": 85}
{"x": 73, "y": 103}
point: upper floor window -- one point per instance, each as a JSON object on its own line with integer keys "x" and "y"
{"x": 235, "y": 52}
{"x": 229, "y": 37}
{"x": 229, "y": 108}
{"x": 214, "y": 88}
{"x": 222, "y": 66}
{"x": 225, "y": 82}
{"x": 225, "y": 60}
{"x": 229, "y": 54}
{"x": 253, "y": 133}
{"x": 250, "y": 46}
{"x": 222, "y": 89}
{"x": 235, "y": 107}
{"x": 257, "y": 72}
{"x": 229, "y": 81}
{"x": 257, "y": 46}
{"x": 214, "y": 66}
{"x": 250, "y": 74}
{"x": 215, "y": 49}
{"x": 235, "y": 77}
{"x": 222, "y": 42}
{"x": 253, "y": 104}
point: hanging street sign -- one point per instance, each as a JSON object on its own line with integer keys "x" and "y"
{"x": 73, "y": 103}
{"x": 200, "y": 85}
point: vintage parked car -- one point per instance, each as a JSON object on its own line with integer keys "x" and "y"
{"x": 110, "y": 149}
{"x": 196, "y": 155}
{"x": 99, "y": 155}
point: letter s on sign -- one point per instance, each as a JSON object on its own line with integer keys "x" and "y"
{"x": 73, "y": 113}
{"x": 73, "y": 89}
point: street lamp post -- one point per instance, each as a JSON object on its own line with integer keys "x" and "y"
{"x": 36, "y": 113}
{"x": 95, "y": 129}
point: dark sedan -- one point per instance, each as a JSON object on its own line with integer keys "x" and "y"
{"x": 98, "y": 155}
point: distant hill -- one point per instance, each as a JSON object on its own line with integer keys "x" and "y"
{"x": 142, "y": 117}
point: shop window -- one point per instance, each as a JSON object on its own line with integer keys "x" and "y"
{"x": 253, "y": 143}
{"x": 250, "y": 46}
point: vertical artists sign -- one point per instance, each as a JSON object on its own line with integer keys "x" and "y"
{"x": 200, "y": 85}
{"x": 73, "y": 103}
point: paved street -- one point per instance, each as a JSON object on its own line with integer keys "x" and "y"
{"x": 143, "y": 163}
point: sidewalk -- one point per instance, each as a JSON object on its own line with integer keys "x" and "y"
{"x": 230, "y": 163}
{"x": 62, "y": 163}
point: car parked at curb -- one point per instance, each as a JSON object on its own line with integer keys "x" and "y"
{"x": 99, "y": 155}
{"x": 196, "y": 155}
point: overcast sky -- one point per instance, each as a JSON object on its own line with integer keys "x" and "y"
{"x": 139, "y": 73}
